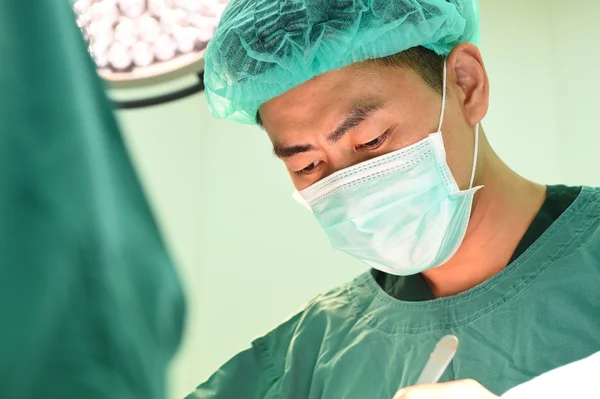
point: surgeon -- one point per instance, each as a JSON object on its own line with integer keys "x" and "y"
{"x": 375, "y": 109}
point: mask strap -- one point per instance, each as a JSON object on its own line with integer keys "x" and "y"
{"x": 443, "y": 99}
{"x": 476, "y": 152}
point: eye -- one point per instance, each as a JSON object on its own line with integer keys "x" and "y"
{"x": 374, "y": 144}
{"x": 309, "y": 169}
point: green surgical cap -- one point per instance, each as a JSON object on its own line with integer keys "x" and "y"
{"x": 263, "y": 48}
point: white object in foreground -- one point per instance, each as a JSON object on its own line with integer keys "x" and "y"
{"x": 579, "y": 380}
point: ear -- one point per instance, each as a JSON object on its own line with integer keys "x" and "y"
{"x": 467, "y": 72}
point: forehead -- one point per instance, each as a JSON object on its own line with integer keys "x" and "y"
{"x": 319, "y": 103}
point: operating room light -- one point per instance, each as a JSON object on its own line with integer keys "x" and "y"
{"x": 140, "y": 42}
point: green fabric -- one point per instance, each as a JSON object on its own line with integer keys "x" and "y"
{"x": 357, "y": 342}
{"x": 414, "y": 288}
{"x": 558, "y": 199}
{"x": 263, "y": 48}
{"x": 90, "y": 303}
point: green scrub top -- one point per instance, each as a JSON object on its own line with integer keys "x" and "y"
{"x": 542, "y": 311}
{"x": 91, "y": 306}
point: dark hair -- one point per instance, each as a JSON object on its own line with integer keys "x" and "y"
{"x": 428, "y": 64}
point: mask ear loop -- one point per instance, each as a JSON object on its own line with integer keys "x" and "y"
{"x": 476, "y": 152}
{"x": 443, "y": 98}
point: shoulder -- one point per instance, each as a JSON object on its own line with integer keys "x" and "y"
{"x": 292, "y": 347}
{"x": 585, "y": 210}
{"x": 297, "y": 343}
{"x": 589, "y": 212}
{"x": 333, "y": 304}
{"x": 582, "y": 203}
{"x": 574, "y": 238}
{"x": 306, "y": 329}
{"x": 592, "y": 192}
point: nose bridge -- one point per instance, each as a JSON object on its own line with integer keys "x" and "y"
{"x": 339, "y": 156}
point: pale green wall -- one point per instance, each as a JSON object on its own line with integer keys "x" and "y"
{"x": 249, "y": 256}
{"x": 576, "y": 62}
{"x": 521, "y": 123}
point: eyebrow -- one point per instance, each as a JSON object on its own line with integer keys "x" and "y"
{"x": 357, "y": 115}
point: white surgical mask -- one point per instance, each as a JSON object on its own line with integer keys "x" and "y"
{"x": 401, "y": 213}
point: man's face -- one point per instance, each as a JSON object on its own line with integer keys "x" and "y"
{"x": 353, "y": 114}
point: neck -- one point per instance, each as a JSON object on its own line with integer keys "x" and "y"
{"x": 502, "y": 212}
